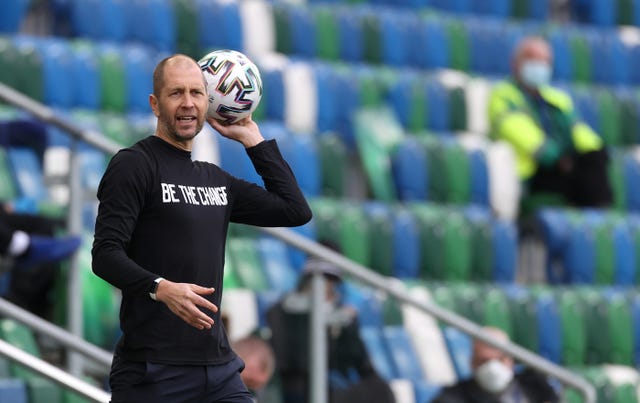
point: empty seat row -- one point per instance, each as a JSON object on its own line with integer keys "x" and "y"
{"x": 590, "y": 247}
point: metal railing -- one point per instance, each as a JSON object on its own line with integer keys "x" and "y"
{"x": 359, "y": 272}
{"x": 397, "y": 291}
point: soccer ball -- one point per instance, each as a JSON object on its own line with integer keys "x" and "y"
{"x": 233, "y": 83}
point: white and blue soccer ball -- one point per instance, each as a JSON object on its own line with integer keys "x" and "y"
{"x": 233, "y": 83}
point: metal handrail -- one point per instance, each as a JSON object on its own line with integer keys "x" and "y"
{"x": 60, "y": 335}
{"x": 397, "y": 290}
{"x": 57, "y": 375}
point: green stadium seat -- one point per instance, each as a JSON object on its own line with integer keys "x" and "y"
{"x": 610, "y": 118}
{"x": 284, "y": 39}
{"x": 445, "y": 242}
{"x": 629, "y": 119}
{"x": 372, "y": 38}
{"x": 380, "y": 234}
{"x": 8, "y": 190}
{"x": 30, "y": 76}
{"x": 247, "y": 264}
{"x": 333, "y": 164}
{"x": 459, "y": 42}
{"x": 327, "y": 34}
{"x": 187, "y": 28}
{"x": 112, "y": 79}
{"x": 573, "y": 324}
{"x": 617, "y": 179}
{"x": 605, "y": 255}
{"x": 581, "y": 56}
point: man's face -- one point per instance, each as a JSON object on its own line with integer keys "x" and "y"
{"x": 182, "y": 104}
{"x": 483, "y": 353}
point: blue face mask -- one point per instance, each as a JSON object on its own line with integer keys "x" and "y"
{"x": 535, "y": 74}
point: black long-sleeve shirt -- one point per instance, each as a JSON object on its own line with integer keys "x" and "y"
{"x": 162, "y": 214}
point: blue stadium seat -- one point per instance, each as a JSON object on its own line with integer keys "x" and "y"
{"x": 539, "y": 10}
{"x": 351, "y": 35}
{"x": 625, "y": 254}
{"x": 13, "y": 13}
{"x": 406, "y": 245}
{"x": 495, "y": 8}
{"x": 27, "y": 171}
{"x": 303, "y": 31}
{"x": 631, "y": 169}
{"x": 562, "y": 60}
{"x": 586, "y": 105}
{"x": 610, "y": 58}
{"x": 403, "y": 353}
{"x": 396, "y": 32}
{"x": 86, "y": 77}
{"x": 327, "y": 89}
{"x": 410, "y": 170}
{"x": 437, "y": 105}
{"x": 234, "y": 159}
{"x": 93, "y": 164}
{"x": 479, "y": 178}
{"x": 139, "y": 63}
{"x": 301, "y": 152}
{"x": 86, "y": 19}
{"x": 365, "y": 301}
{"x": 456, "y": 6}
{"x": 406, "y": 95}
{"x": 505, "y": 250}
{"x": 273, "y": 92}
{"x": 296, "y": 256}
{"x": 275, "y": 261}
{"x": 58, "y": 71}
{"x": 460, "y": 349}
{"x": 579, "y": 256}
{"x": 13, "y": 390}
{"x": 549, "y": 328}
{"x": 374, "y": 342}
{"x": 219, "y": 25}
{"x": 635, "y": 317}
{"x": 428, "y": 42}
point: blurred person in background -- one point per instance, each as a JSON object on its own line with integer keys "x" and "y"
{"x": 259, "y": 363}
{"x": 352, "y": 377}
{"x": 496, "y": 380}
{"x": 560, "y": 159}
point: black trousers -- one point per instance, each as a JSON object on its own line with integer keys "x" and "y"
{"x": 586, "y": 185}
{"x": 136, "y": 382}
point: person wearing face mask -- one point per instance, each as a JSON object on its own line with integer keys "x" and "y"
{"x": 495, "y": 379}
{"x": 560, "y": 158}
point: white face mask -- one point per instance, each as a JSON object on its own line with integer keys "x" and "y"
{"x": 535, "y": 73}
{"x": 493, "y": 376}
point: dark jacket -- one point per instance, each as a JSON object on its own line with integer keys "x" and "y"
{"x": 534, "y": 385}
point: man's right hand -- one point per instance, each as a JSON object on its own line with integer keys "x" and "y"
{"x": 183, "y": 299}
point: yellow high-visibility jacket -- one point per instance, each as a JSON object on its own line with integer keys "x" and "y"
{"x": 516, "y": 119}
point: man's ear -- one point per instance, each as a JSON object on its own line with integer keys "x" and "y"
{"x": 153, "y": 101}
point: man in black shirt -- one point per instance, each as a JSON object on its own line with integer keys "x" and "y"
{"x": 160, "y": 238}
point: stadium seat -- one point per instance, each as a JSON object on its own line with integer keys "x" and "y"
{"x": 379, "y": 354}
{"x": 13, "y": 390}
{"x": 112, "y": 78}
{"x": 225, "y": 17}
{"x": 247, "y": 264}
{"x": 87, "y": 84}
{"x": 479, "y": 178}
{"x": 59, "y": 78}
{"x": 402, "y": 353}
{"x": 574, "y": 330}
{"x": 409, "y": 102}
{"x": 430, "y": 36}
{"x": 303, "y": 32}
{"x": 406, "y": 244}
{"x": 459, "y": 345}
{"x": 27, "y": 171}
{"x": 395, "y": 31}
{"x": 186, "y": 25}
{"x": 13, "y": 14}
{"x": 327, "y": 33}
{"x": 139, "y": 63}
{"x": 481, "y": 229}
{"x": 301, "y": 152}
{"x": 410, "y": 170}
{"x": 381, "y": 236}
{"x": 549, "y": 328}
{"x": 275, "y": 261}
